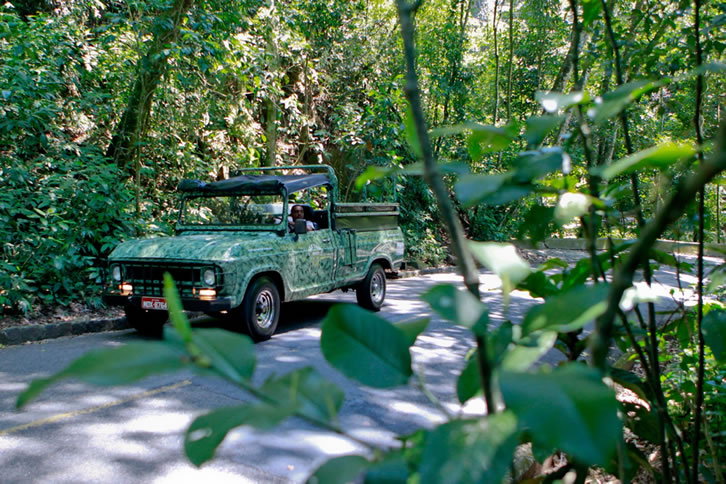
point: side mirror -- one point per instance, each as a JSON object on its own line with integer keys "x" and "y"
{"x": 301, "y": 226}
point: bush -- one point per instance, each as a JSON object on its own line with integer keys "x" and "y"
{"x": 58, "y": 219}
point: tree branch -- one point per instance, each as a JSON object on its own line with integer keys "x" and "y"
{"x": 433, "y": 178}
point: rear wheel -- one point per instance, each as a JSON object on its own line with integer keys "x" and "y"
{"x": 261, "y": 309}
{"x": 146, "y": 322}
{"x": 372, "y": 291}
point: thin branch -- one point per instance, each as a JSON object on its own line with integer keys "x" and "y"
{"x": 652, "y": 328}
{"x": 592, "y": 225}
{"x": 701, "y": 213}
{"x": 433, "y": 178}
{"x": 315, "y": 421}
{"x": 421, "y": 383}
{"x": 685, "y": 192}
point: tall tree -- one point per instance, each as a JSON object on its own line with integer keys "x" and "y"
{"x": 151, "y": 68}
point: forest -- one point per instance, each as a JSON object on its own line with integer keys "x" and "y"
{"x": 487, "y": 121}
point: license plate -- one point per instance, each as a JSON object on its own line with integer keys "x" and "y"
{"x": 158, "y": 303}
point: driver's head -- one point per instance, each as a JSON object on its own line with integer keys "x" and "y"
{"x": 297, "y": 212}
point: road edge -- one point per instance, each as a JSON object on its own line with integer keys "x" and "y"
{"x": 17, "y": 335}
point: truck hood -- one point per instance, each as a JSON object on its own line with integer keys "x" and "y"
{"x": 189, "y": 247}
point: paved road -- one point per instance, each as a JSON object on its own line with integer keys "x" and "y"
{"x": 77, "y": 433}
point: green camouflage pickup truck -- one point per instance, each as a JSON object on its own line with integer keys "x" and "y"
{"x": 238, "y": 252}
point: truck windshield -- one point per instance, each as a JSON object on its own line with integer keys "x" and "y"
{"x": 228, "y": 210}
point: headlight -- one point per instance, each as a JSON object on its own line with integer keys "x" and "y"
{"x": 209, "y": 277}
{"x": 116, "y": 273}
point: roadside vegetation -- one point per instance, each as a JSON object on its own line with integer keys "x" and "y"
{"x": 485, "y": 120}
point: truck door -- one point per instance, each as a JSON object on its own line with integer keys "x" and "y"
{"x": 313, "y": 262}
{"x": 347, "y": 253}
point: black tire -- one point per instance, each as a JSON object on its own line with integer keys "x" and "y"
{"x": 372, "y": 291}
{"x": 261, "y": 309}
{"x": 146, "y": 322}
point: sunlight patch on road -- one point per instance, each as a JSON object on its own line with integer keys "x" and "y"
{"x": 86, "y": 411}
{"x": 429, "y": 414}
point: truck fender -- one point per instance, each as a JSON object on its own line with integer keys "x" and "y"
{"x": 382, "y": 259}
{"x": 270, "y": 271}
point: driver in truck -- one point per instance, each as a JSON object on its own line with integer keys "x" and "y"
{"x": 298, "y": 212}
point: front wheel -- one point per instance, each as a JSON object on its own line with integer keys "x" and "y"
{"x": 146, "y": 322}
{"x": 261, "y": 309}
{"x": 372, "y": 291}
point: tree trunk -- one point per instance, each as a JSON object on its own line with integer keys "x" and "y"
{"x": 496, "y": 65}
{"x": 511, "y": 60}
{"x": 563, "y": 76}
{"x": 270, "y": 132}
{"x": 464, "y": 8}
{"x": 151, "y": 69}
{"x": 270, "y": 108}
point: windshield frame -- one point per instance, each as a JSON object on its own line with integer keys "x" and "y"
{"x": 279, "y": 227}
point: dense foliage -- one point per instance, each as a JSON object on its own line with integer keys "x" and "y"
{"x": 151, "y": 91}
{"x": 602, "y": 116}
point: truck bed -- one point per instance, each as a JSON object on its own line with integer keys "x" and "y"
{"x": 366, "y": 216}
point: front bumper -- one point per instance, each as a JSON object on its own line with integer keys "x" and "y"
{"x": 219, "y": 304}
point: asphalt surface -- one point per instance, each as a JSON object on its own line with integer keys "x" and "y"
{"x": 76, "y": 433}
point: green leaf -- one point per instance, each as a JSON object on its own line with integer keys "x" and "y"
{"x": 539, "y": 284}
{"x": 365, "y": 347}
{"x": 469, "y": 383}
{"x": 583, "y": 268}
{"x": 372, "y": 172}
{"x": 716, "y": 278}
{"x": 528, "y": 350}
{"x": 537, "y": 127}
{"x": 568, "y": 311}
{"x": 663, "y": 257}
{"x": 536, "y": 223}
{"x": 490, "y": 189}
{"x": 469, "y": 451}
{"x": 500, "y": 339}
{"x": 571, "y": 205}
{"x": 553, "y": 102}
{"x": 590, "y": 11}
{"x": 114, "y": 366}
{"x": 615, "y": 101}
{"x": 412, "y": 329}
{"x": 418, "y": 169}
{"x": 569, "y": 409}
{"x": 508, "y": 131}
{"x": 458, "y": 306}
{"x": 499, "y": 347}
{"x": 208, "y": 431}
{"x": 631, "y": 381}
{"x": 533, "y": 165}
{"x": 176, "y": 310}
{"x": 486, "y": 139}
{"x": 308, "y": 392}
{"x": 339, "y": 469}
{"x": 392, "y": 469}
{"x": 642, "y": 421}
{"x": 560, "y": 182}
{"x": 411, "y": 134}
{"x": 231, "y": 354}
{"x": 659, "y": 157}
{"x": 710, "y": 67}
{"x": 714, "y": 333}
{"x": 503, "y": 260}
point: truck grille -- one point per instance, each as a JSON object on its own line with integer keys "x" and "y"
{"x": 148, "y": 278}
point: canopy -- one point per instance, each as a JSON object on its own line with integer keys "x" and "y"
{"x": 254, "y": 184}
